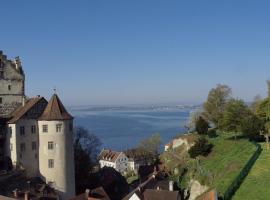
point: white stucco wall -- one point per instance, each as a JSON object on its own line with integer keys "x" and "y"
{"x": 28, "y": 158}
{"x": 62, "y": 174}
{"x": 120, "y": 164}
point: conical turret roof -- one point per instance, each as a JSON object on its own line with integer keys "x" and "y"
{"x": 55, "y": 110}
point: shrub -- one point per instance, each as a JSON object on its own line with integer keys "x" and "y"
{"x": 201, "y": 147}
{"x": 201, "y": 126}
{"x": 212, "y": 133}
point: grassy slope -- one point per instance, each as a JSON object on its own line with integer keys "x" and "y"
{"x": 220, "y": 167}
{"x": 228, "y": 157}
{"x": 256, "y": 184}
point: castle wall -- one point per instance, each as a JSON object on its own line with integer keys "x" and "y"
{"x": 11, "y": 85}
{"x": 26, "y": 156}
{"x": 62, "y": 174}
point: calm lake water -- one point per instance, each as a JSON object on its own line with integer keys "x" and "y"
{"x": 120, "y": 128}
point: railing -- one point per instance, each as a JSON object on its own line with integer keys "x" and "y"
{"x": 244, "y": 172}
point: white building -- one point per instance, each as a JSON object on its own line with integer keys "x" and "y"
{"x": 136, "y": 158}
{"x": 38, "y": 135}
{"x": 114, "y": 159}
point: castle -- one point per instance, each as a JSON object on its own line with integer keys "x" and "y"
{"x": 35, "y": 135}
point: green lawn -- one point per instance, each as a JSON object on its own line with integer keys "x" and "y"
{"x": 256, "y": 184}
{"x": 225, "y": 162}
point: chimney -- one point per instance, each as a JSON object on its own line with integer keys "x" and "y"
{"x": 18, "y": 63}
{"x": 23, "y": 101}
{"x": 87, "y": 191}
{"x": 15, "y": 193}
{"x": 26, "y": 195}
{"x": 171, "y": 186}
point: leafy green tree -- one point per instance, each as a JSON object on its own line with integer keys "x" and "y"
{"x": 255, "y": 104}
{"x": 150, "y": 145}
{"x": 201, "y": 126}
{"x": 215, "y": 104}
{"x": 233, "y": 116}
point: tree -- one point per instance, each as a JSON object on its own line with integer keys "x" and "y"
{"x": 201, "y": 147}
{"x": 215, "y": 104}
{"x": 86, "y": 148}
{"x": 238, "y": 118}
{"x": 201, "y": 125}
{"x": 193, "y": 117}
{"x": 255, "y": 104}
{"x": 234, "y": 113}
{"x": 150, "y": 145}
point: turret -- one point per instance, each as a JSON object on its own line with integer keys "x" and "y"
{"x": 56, "y": 154}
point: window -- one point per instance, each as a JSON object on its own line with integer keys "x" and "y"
{"x": 22, "y": 131}
{"x": 50, "y": 145}
{"x": 45, "y": 128}
{"x": 34, "y": 145}
{"x": 11, "y": 147}
{"x": 1, "y": 100}
{"x": 58, "y": 127}
{"x": 1, "y": 74}
{"x": 36, "y": 156}
{"x": 9, "y": 87}
{"x": 22, "y": 147}
{"x": 50, "y": 163}
{"x": 33, "y": 129}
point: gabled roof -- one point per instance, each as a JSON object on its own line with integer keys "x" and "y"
{"x": 55, "y": 110}
{"x": 109, "y": 155}
{"x": 150, "y": 194}
{"x": 23, "y": 109}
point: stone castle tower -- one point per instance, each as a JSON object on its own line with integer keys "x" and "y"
{"x": 35, "y": 134}
{"x": 56, "y": 147}
{"x": 11, "y": 84}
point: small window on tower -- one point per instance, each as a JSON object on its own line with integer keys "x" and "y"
{"x": 1, "y": 100}
{"x": 9, "y": 87}
{"x": 22, "y": 131}
{"x": 58, "y": 127}
{"x": 34, "y": 145}
{"x": 22, "y": 147}
{"x": 45, "y": 128}
{"x": 1, "y": 74}
{"x": 50, "y": 145}
{"x": 33, "y": 129}
{"x": 51, "y": 163}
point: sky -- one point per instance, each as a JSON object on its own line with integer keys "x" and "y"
{"x": 115, "y": 52}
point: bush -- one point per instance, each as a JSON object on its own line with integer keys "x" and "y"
{"x": 201, "y": 147}
{"x": 201, "y": 126}
{"x": 212, "y": 133}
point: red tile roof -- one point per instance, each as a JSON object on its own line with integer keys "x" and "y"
{"x": 109, "y": 155}
{"x": 55, "y": 110}
{"x": 23, "y": 109}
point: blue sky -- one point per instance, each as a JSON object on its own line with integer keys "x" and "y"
{"x": 143, "y": 51}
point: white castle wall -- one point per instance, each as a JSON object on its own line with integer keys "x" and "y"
{"x": 62, "y": 174}
{"x": 29, "y": 157}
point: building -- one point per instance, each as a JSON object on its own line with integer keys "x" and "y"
{"x": 137, "y": 158}
{"x": 35, "y": 134}
{"x": 155, "y": 187}
{"x": 95, "y": 194}
{"x": 114, "y": 159}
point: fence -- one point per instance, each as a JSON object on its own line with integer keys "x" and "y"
{"x": 244, "y": 172}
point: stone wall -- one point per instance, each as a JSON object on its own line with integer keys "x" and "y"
{"x": 11, "y": 85}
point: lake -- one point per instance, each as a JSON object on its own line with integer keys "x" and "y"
{"x": 120, "y": 128}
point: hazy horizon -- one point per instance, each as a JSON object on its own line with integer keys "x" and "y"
{"x": 138, "y": 52}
